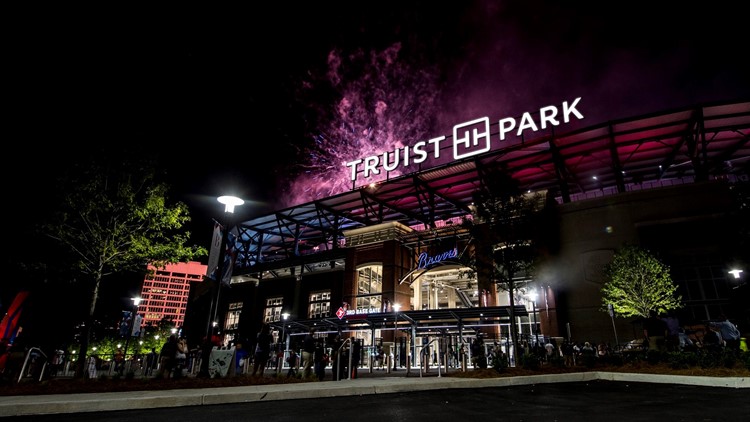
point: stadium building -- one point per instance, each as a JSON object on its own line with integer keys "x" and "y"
{"x": 395, "y": 264}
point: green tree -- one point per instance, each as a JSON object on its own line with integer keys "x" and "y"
{"x": 114, "y": 217}
{"x": 637, "y": 282}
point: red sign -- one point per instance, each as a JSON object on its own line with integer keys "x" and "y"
{"x": 340, "y": 313}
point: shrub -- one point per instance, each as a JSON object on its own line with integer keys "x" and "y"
{"x": 499, "y": 362}
{"x": 530, "y": 361}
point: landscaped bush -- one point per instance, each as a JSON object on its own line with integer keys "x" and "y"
{"x": 530, "y": 361}
{"x": 499, "y": 362}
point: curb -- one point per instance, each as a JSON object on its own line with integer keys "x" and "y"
{"x": 103, "y": 402}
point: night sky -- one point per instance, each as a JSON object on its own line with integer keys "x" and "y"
{"x": 266, "y": 102}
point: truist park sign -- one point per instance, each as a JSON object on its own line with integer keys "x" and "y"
{"x": 469, "y": 139}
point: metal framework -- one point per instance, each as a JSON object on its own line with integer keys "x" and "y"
{"x": 675, "y": 147}
{"x": 467, "y": 320}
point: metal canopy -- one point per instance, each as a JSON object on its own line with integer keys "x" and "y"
{"x": 676, "y": 147}
{"x": 472, "y": 319}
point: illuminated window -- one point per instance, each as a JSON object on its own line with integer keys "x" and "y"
{"x": 369, "y": 287}
{"x": 320, "y": 305}
{"x": 272, "y": 312}
{"x": 232, "y": 320}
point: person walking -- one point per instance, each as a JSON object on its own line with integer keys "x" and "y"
{"x": 262, "y": 349}
{"x": 308, "y": 353}
{"x": 293, "y": 361}
{"x": 167, "y": 357}
{"x": 152, "y": 359}
{"x": 320, "y": 360}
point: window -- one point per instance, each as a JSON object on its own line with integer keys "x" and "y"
{"x": 320, "y": 305}
{"x": 272, "y": 313}
{"x": 369, "y": 287}
{"x": 231, "y": 322}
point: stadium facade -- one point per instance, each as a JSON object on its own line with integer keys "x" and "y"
{"x": 387, "y": 262}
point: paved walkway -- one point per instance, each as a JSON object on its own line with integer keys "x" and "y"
{"x": 370, "y": 384}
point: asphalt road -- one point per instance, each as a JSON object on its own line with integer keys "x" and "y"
{"x": 597, "y": 400}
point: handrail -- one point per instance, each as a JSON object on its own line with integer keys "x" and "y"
{"x": 26, "y": 362}
{"x": 338, "y": 360}
{"x": 422, "y": 352}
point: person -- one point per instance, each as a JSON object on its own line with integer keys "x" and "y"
{"x": 686, "y": 343}
{"x": 729, "y": 333}
{"x": 673, "y": 331}
{"x": 240, "y": 357}
{"x": 181, "y": 356}
{"x": 379, "y": 358}
{"x": 308, "y": 353}
{"x": 654, "y": 331}
{"x": 356, "y": 351}
{"x": 568, "y": 353}
{"x": 478, "y": 357}
{"x": 588, "y": 354}
{"x": 712, "y": 341}
{"x": 119, "y": 359}
{"x": 92, "y": 363}
{"x": 338, "y": 361}
{"x": 320, "y": 359}
{"x": 57, "y": 362}
{"x": 151, "y": 362}
{"x": 293, "y": 361}
{"x": 262, "y": 349}
{"x": 426, "y": 353}
{"x": 549, "y": 350}
{"x": 167, "y": 357}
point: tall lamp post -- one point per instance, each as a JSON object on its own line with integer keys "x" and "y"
{"x": 136, "y": 302}
{"x": 229, "y": 203}
{"x": 396, "y": 308}
{"x": 280, "y": 362}
{"x": 533, "y": 296}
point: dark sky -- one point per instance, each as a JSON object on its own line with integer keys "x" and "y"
{"x": 246, "y": 100}
{"x": 235, "y": 96}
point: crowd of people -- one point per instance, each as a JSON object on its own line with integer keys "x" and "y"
{"x": 175, "y": 359}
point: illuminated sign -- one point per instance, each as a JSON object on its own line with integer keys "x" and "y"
{"x": 363, "y": 311}
{"x": 425, "y": 260}
{"x": 469, "y": 139}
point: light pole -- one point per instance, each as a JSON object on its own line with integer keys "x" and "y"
{"x": 136, "y": 302}
{"x": 280, "y": 362}
{"x": 532, "y": 296}
{"x": 396, "y": 308}
{"x": 218, "y": 273}
{"x": 229, "y": 203}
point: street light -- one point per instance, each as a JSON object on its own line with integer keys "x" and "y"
{"x": 396, "y": 308}
{"x": 280, "y": 362}
{"x": 230, "y": 202}
{"x": 136, "y": 302}
{"x": 533, "y": 296}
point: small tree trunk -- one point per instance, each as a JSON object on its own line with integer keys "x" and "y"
{"x": 86, "y": 335}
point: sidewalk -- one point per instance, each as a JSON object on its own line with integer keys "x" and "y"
{"x": 370, "y": 383}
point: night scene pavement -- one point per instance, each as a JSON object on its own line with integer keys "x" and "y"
{"x": 625, "y": 396}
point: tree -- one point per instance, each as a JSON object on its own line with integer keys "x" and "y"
{"x": 637, "y": 282}
{"x": 114, "y": 217}
{"x": 511, "y": 231}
